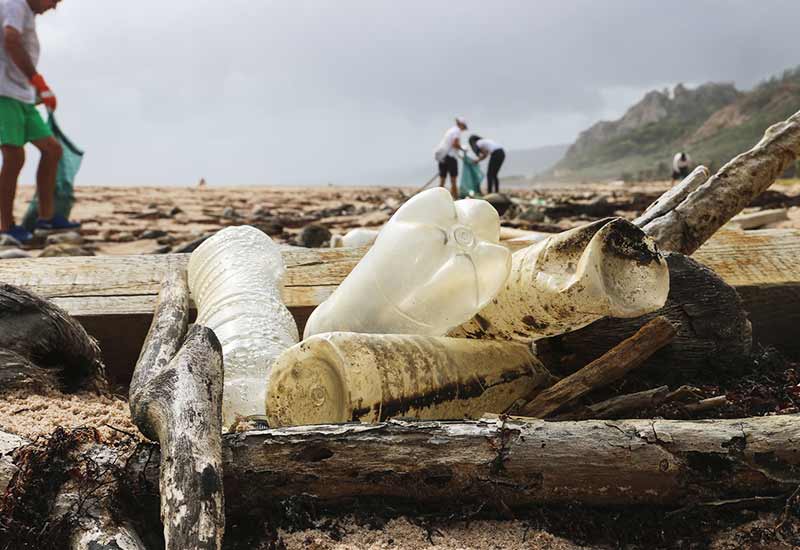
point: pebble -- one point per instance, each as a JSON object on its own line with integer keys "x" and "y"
{"x": 314, "y": 236}
{"x": 55, "y": 250}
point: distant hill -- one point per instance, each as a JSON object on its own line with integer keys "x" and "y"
{"x": 713, "y": 123}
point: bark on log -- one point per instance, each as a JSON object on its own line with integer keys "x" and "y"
{"x": 673, "y": 197}
{"x": 176, "y": 398}
{"x": 727, "y": 192}
{"x": 755, "y": 220}
{"x": 446, "y": 465}
{"x": 619, "y": 406}
{"x": 714, "y": 334}
{"x": 47, "y": 336}
{"x": 610, "y": 367}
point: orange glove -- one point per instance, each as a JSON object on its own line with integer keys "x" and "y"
{"x": 44, "y": 91}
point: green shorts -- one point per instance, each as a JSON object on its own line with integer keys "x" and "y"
{"x": 20, "y": 123}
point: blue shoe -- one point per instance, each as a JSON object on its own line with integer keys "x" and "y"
{"x": 56, "y": 223}
{"x": 19, "y": 233}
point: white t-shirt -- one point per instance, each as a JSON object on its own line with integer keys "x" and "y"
{"x": 677, "y": 163}
{"x": 13, "y": 83}
{"x": 488, "y": 146}
{"x": 445, "y": 148}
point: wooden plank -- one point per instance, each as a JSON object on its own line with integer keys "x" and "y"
{"x": 127, "y": 285}
{"x": 114, "y": 296}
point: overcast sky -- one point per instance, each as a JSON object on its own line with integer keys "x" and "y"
{"x": 243, "y": 92}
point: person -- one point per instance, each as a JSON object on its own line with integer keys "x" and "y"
{"x": 445, "y": 155}
{"x": 20, "y": 121}
{"x": 497, "y": 155}
{"x": 680, "y": 166}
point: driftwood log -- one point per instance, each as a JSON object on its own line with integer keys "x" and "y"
{"x": 619, "y": 406}
{"x": 610, "y": 367}
{"x": 37, "y": 331}
{"x": 673, "y": 197}
{"x": 726, "y": 193}
{"x": 714, "y": 334}
{"x": 176, "y": 398}
{"x": 446, "y": 465}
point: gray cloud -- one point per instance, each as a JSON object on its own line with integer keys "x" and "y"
{"x": 311, "y": 91}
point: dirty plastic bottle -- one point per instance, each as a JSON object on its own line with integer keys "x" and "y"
{"x": 346, "y": 376}
{"x": 433, "y": 266}
{"x": 236, "y": 278}
{"x": 606, "y": 268}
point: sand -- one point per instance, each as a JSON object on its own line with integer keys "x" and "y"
{"x": 32, "y": 415}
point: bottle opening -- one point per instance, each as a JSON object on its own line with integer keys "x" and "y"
{"x": 463, "y": 236}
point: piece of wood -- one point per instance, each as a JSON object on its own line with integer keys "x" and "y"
{"x": 610, "y": 367}
{"x": 115, "y": 295}
{"x": 176, "y": 398}
{"x": 687, "y": 226}
{"x": 619, "y": 406}
{"x": 754, "y": 220}
{"x": 17, "y": 373}
{"x": 714, "y": 335}
{"x": 47, "y": 336}
{"x": 673, "y": 196}
{"x": 505, "y": 464}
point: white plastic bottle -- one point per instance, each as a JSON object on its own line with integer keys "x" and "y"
{"x": 236, "y": 278}
{"x": 344, "y": 376}
{"x": 434, "y": 265}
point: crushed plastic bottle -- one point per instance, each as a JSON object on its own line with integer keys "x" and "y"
{"x": 345, "y": 376}
{"x": 434, "y": 265}
{"x": 606, "y": 268}
{"x": 236, "y": 278}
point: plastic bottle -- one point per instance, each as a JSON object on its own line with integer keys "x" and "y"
{"x": 236, "y": 278}
{"x": 605, "y": 268}
{"x": 434, "y": 265}
{"x": 360, "y": 236}
{"x": 345, "y": 376}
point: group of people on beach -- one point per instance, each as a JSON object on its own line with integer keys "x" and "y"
{"x": 446, "y": 155}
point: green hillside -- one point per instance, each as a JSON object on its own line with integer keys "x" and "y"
{"x": 713, "y": 123}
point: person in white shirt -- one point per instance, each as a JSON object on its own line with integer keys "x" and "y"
{"x": 20, "y": 122}
{"x": 681, "y": 163}
{"x": 445, "y": 155}
{"x": 497, "y": 155}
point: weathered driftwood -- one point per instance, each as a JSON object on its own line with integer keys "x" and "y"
{"x": 673, "y": 197}
{"x": 47, "y": 336}
{"x": 618, "y": 406}
{"x": 714, "y": 334}
{"x": 726, "y": 193}
{"x": 17, "y": 373}
{"x": 176, "y": 398}
{"x": 506, "y": 464}
{"x": 755, "y": 220}
{"x": 610, "y": 367}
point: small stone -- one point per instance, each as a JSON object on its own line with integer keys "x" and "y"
{"x": 8, "y": 240}
{"x": 314, "y": 236}
{"x": 124, "y": 237}
{"x": 55, "y": 250}
{"x": 174, "y": 211}
{"x": 12, "y": 253}
{"x": 230, "y": 213}
{"x": 71, "y": 237}
{"x": 500, "y": 202}
{"x": 532, "y": 214}
{"x": 153, "y": 234}
{"x": 190, "y": 247}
